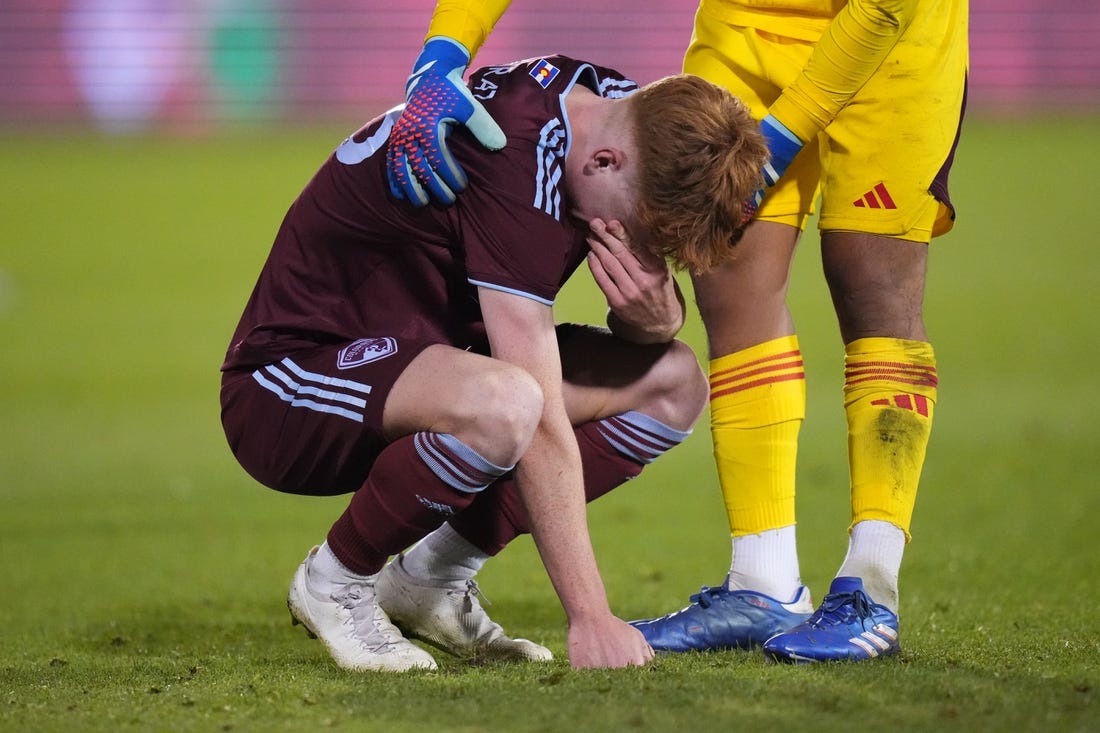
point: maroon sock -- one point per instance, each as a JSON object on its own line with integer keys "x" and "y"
{"x": 497, "y": 516}
{"x": 416, "y": 483}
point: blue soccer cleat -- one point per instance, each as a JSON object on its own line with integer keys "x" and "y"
{"x": 724, "y": 619}
{"x": 848, "y": 626}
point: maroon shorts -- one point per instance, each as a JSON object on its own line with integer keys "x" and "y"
{"x": 312, "y": 422}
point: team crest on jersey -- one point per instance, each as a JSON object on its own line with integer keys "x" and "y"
{"x": 364, "y": 351}
{"x": 544, "y": 73}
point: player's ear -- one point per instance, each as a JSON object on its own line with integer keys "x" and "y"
{"x": 605, "y": 159}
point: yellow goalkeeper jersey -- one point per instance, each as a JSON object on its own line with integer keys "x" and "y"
{"x": 471, "y": 21}
{"x": 802, "y": 19}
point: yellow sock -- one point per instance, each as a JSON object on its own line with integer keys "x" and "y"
{"x": 889, "y": 395}
{"x": 757, "y": 403}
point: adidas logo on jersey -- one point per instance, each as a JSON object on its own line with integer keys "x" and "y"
{"x": 877, "y": 198}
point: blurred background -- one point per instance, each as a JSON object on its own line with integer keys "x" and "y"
{"x": 192, "y": 65}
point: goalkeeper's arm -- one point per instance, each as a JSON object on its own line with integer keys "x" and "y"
{"x": 852, "y": 49}
{"x": 418, "y": 163}
{"x": 848, "y": 54}
{"x": 466, "y": 21}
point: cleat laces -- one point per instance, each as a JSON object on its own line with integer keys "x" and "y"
{"x": 370, "y": 626}
{"x": 477, "y": 621}
{"x": 705, "y": 594}
{"x": 839, "y": 609}
{"x": 473, "y": 593}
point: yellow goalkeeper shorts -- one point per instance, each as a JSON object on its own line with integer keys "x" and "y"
{"x": 881, "y": 166}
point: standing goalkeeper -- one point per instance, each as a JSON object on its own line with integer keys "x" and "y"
{"x": 861, "y": 103}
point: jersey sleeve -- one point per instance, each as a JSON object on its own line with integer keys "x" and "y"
{"x": 533, "y": 266}
{"x": 467, "y": 21}
{"x": 851, "y": 50}
{"x": 515, "y": 238}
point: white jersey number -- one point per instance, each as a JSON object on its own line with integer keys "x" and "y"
{"x": 350, "y": 152}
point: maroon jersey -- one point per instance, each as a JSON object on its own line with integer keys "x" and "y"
{"x": 350, "y": 261}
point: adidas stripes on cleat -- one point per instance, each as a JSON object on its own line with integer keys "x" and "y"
{"x": 848, "y": 626}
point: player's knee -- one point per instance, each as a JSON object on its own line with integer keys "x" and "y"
{"x": 679, "y": 389}
{"x": 509, "y": 408}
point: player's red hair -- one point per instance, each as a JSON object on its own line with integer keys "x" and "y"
{"x": 701, "y": 154}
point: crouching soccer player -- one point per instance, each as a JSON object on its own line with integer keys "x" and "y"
{"x": 408, "y": 356}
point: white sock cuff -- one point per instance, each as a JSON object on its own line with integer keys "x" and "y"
{"x": 766, "y": 563}
{"x": 325, "y": 566}
{"x": 444, "y": 554}
{"x": 875, "y": 550}
{"x": 876, "y": 543}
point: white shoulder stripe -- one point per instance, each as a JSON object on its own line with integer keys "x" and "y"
{"x": 617, "y": 88}
{"x": 551, "y": 150}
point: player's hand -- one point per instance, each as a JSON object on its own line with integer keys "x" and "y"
{"x": 607, "y": 642}
{"x": 437, "y": 99}
{"x": 638, "y": 285}
{"x": 783, "y": 146}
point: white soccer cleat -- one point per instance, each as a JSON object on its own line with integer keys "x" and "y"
{"x": 352, "y": 626}
{"x": 448, "y": 615}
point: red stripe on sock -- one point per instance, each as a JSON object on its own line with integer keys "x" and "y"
{"x": 763, "y": 360}
{"x": 715, "y": 394}
{"x": 742, "y": 376}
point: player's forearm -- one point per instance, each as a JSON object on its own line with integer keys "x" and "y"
{"x": 551, "y": 486}
{"x": 467, "y": 21}
{"x": 851, "y": 50}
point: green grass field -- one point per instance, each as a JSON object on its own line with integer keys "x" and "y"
{"x": 144, "y": 574}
